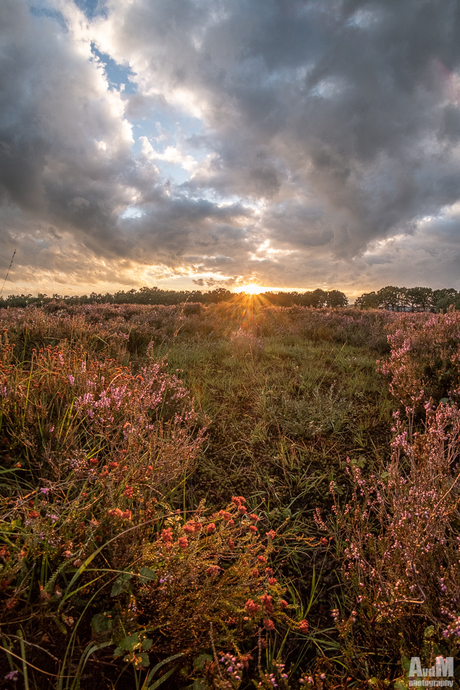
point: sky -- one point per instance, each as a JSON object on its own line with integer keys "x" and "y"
{"x": 196, "y": 144}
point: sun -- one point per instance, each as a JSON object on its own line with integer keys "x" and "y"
{"x": 252, "y": 289}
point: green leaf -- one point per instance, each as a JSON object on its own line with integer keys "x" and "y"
{"x": 400, "y": 684}
{"x": 200, "y": 661}
{"x": 162, "y": 679}
{"x": 429, "y": 631}
{"x": 405, "y": 663}
{"x": 121, "y": 584}
{"x": 129, "y": 642}
{"x": 159, "y": 665}
{"x": 117, "y": 588}
{"x": 147, "y": 574}
{"x": 145, "y": 661}
{"x": 100, "y": 623}
{"x": 146, "y": 644}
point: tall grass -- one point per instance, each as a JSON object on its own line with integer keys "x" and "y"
{"x": 162, "y": 473}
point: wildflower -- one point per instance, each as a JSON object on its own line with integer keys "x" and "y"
{"x": 94, "y": 461}
{"x": 34, "y": 514}
{"x": 12, "y": 675}
{"x": 189, "y": 528}
{"x": 255, "y": 572}
{"x": 261, "y": 559}
{"x": 166, "y": 535}
{"x": 253, "y": 529}
{"x": 303, "y": 626}
{"x": 128, "y": 492}
{"x": 268, "y": 571}
{"x": 254, "y": 518}
{"x": 251, "y": 607}
{"x": 213, "y": 570}
{"x": 44, "y": 491}
{"x": 211, "y": 528}
{"x": 272, "y": 581}
{"x": 71, "y": 379}
{"x": 283, "y": 604}
{"x": 113, "y": 465}
{"x": 267, "y": 601}
{"x": 183, "y": 543}
{"x": 231, "y": 543}
{"x": 271, "y": 534}
{"x": 242, "y": 510}
{"x": 269, "y": 624}
{"x": 238, "y": 500}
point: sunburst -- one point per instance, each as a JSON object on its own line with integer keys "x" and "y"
{"x": 252, "y": 289}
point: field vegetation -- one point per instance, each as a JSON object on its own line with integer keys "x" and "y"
{"x": 229, "y": 495}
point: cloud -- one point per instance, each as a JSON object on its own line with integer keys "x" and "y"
{"x": 286, "y": 142}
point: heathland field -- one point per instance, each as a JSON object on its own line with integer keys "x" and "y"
{"x": 230, "y": 495}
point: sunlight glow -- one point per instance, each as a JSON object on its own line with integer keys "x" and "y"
{"x": 251, "y": 289}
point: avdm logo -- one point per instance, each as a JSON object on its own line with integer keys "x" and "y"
{"x": 435, "y": 676}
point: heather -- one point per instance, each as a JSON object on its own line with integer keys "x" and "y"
{"x": 229, "y": 495}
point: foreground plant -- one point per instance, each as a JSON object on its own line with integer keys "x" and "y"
{"x": 399, "y": 534}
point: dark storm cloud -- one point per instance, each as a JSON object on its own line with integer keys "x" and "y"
{"x": 326, "y": 128}
{"x": 344, "y": 97}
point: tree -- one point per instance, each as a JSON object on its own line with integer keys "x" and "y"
{"x": 335, "y": 298}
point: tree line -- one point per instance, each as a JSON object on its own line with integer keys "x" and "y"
{"x": 390, "y": 298}
{"x": 410, "y": 299}
{"x": 154, "y": 295}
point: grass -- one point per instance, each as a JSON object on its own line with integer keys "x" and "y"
{"x": 162, "y": 471}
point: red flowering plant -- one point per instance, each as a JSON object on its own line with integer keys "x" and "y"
{"x": 210, "y": 569}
